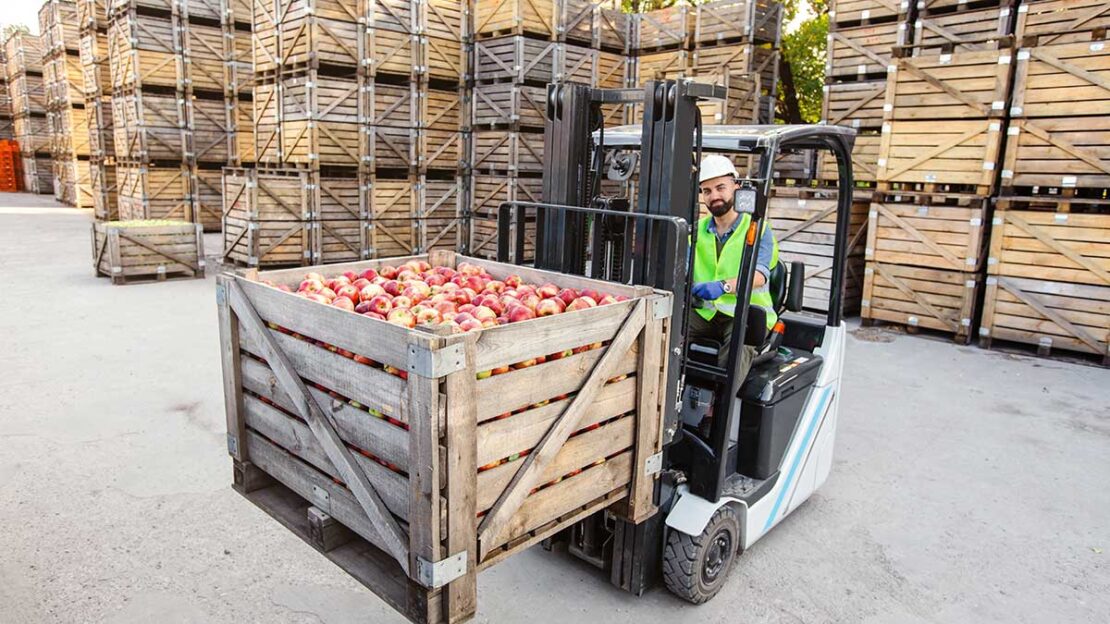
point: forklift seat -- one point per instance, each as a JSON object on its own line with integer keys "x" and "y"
{"x": 777, "y": 286}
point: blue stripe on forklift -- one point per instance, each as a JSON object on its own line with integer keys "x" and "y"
{"x": 798, "y": 457}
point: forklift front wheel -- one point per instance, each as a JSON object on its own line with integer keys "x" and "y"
{"x": 695, "y": 568}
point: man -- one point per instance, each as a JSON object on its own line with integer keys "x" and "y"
{"x": 717, "y": 256}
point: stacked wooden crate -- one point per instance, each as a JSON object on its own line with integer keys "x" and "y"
{"x": 945, "y": 106}
{"x": 28, "y": 96}
{"x": 64, "y": 84}
{"x": 1048, "y": 269}
{"x": 92, "y": 20}
{"x": 7, "y": 131}
{"x": 519, "y": 47}
{"x": 178, "y": 69}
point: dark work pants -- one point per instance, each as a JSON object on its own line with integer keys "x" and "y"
{"x": 720, "y": 328}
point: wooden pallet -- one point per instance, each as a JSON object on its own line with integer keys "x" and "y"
{"x": 516, "y": 59}
{"x": 207, "y": 52}
{"x": 664, "y": 29}
{"x": 153, "y": 192}
{"x": 964, "y": 30}
{"x": 846, "y": 13}
{"x": 917, "y": 231}
{"x": 1049, "y": 281}
{"x": 429, "y": 507}
{"x": 862, "y": 52}
{"x": 388, "y": 104}
{"x": 1062, "y": 80}
{"x": 666, "y": 65}
{"x": 58, "y": 26}
{"x": 1059, "y": 152}
{"x": 966, "y": 85}
{"x": 855, "y": 104}
{"x": 500, "y": 18}
{"x": 402, "y": 16}
{"x": 730, "y": 21}
{"x": 318, "y": 119}
{"x": 932, "y": 7}
{"x": 443, "y": 150}
{"x": 955, "y": 152}
{"x": 804, "y": 222}
{"x": 392, "y": 148}
{"x": 1062, "y": 21}
{"x": 575, "y": 21}
{"x": 920, "y": 297}
{"x": 63, "y": 81}
{"x": 129, "y": 251}
{"x": 510, "y": 106}
{"x": 865, "y": 160}
{"x": 507, "y": 152}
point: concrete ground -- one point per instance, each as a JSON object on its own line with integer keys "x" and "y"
{"x": 969, "y": 486}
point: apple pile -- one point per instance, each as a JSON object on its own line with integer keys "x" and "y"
{"x": 464, "y": 299}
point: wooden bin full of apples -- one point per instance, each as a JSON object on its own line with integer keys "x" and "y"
{"x": 418, "y": 419}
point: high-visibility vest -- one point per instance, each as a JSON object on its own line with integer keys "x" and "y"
{"x": 708, "y": 267}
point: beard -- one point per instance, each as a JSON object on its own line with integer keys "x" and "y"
{"x": 720, "y": 208}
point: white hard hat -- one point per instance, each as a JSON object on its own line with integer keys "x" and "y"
{"x": 715, "y": 166}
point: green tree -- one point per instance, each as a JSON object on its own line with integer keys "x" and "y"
{"x": 804, "y": 50}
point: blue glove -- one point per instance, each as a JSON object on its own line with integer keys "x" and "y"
{"x": 708, "y": 291}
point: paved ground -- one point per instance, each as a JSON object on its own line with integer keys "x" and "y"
{"x": 969, "y": 486}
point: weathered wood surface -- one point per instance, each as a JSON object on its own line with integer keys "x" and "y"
{"x": 956, "y": 152}
{"x": 725, "y": 21}
{"x": 964, "y": 85}
{"x": 920, "y": 297}
{"x": 126, "y": 253}
{"x": 927, "y": 234}
{"x": 1062, "y": 21}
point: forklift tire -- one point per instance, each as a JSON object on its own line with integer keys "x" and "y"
{"x": 695, "y": 568}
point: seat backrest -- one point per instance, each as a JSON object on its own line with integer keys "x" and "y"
{"x": 777, "y": 286}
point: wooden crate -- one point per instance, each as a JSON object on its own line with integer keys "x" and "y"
{"x": 143, "y": 51}
{"x": 1062, "y": 80}
{"x": 38, "y": 174}
{"x": 855, "y": 104}
{"x": 516, "y": 59}
{"x": 58, "y": 27}
{"x": 445, "y": 19}
{"x": 267, "y": 243}
{"x": 442, "y": 150}
{"x": 206, "y": 196}
{"x": 131, "y": 250}
{"x": 210, "y": 126}
{"x": 1061, "y": 21}
{"x": 796, "y": 166}
{"x": 664, "y": 29}
{"x": 855, "y": 12}
{"x": 390, "y": 216}
{"x": 613, "y": 30}
{"x": 388, "y": 104}
{"x": 956, "y": 152}
{"x": 444, "y": 109}
{"x": 64, "y": 81}
{"x": 916, "y": 231}
{"x": 444, "y": 59}
{"x": 319, "y": 119}
{"x": 497, "y": 18}
{"x": 612, "y": 71}
{"x": 102, "y": 182}
{"x": 741, "y": 58}
{"x": 323, "y": 32}
{"x": 507, "y": 151}
{"x": 964, "y": 30}
{"x": 441, "y": 215}
{"x": 397, "y": 15}
{"x": 391, "y": 148}
{"x": 576, "y": 63}
{"x": 73, "y": 138}
{"x": 396, "y": 54}
{"x": 508, "y": 105}
{"x": 93, "y": 14}
{"x": 920, "y": 297}
{"x": 95, "y": 68}
{"x": 733, "y": 21}
{"x": 23, "y": 53}
{"x": 32, "y": 133}
{"x": 1049, "y": 281}
{"x": 207, "y": 54}
{"x": 1057, "y": 152}
{"x": 28, "y": 94}
{"x": 268, "y": 194}
{"x": 436, "y": 501}
{"x": 804, "y": 223}
{"x": 865, "y": 160}
{"x": 575, "y": 20}
{"x": 339, "y": 228}
{"x": 149, "y": 126}
{"x": 487, "y": 194}
{"x": 862, "y": 52}
{"x": 741, "y": 104}
{"x": 667, "y": 65}
{"x": 967, "y": 85}
{"x": 153, "y": 192}
{"x": 98, "y": 118}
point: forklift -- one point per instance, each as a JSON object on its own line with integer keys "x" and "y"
{"x": 739, "y": 454}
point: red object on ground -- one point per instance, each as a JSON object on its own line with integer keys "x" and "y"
{"x": 11, "y": 178}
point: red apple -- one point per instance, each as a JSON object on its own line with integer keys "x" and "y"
{"x": 427, "y": 315}
{"x": 482, "y": 313}
{"x": 393, "y": 287}
{"x": 381, "y": 304}
{"x": 592, "y": 294}
{"x": 446, "y": 272}
{"x": 348, "y": 291}
{"x": 417, "y": 291}
{"x": 374, "y": 315}
{"x": 315, "y": 276}
{"x": 519, "y": 313}
{"x": 344, "y": 303}
{"x": 495, "y": 286}
{"x": 469, "y": 269}
{"x": 350, "y": 275}
{"x": 402, "y": 317}
{"x": 530, "y": 301}
{"x": 407, "y": 275}
{"x": 470, "y": 324}
{"x": 284, "y": 288}
{"x": 423, "y": 265}
{"x": 581, "y": 303}
{"x": 388, "y": 272}
{"x": 606, "y": 300}
{"x": 328, "y": 293}
{"x": 466, "y": 308}
{"x": 525, "y": 364}
{"x": 368, "y": 274}
{"x": 462, "y": 317}
{"x": 370, "y": 291}
{"x": 444, "y": 307}
{"x": 549, "y": 307}
{"x": 548, "y": 291}
{"x": 402, "y": 302}
{"x": 311, "y": 285}
{"x": 433, "y": 279}
{"x": 513, "y": 281}
{"x": 567, "y": 295}
{"x": 318, "y": 298}
{"x": 363, "y": 307}
{"x": 336, "y": 283}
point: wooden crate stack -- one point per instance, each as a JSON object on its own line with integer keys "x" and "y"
{"x": 28, "y": 97}
{"x": 7, "y": 130}
{"x": 64, "y": 84}
{"x": 943, "y": 123}
{"x": 1048, "y": 268}
{"x": 178, "y": 69}
{"x": 519, "y": 47}
{"x": 92, "y": 19}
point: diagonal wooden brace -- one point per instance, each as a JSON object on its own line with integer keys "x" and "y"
{"x": 495, "y": 523}
{"x": 393, "y": 539}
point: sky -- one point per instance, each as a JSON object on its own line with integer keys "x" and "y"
{"x": 21, "y": 12}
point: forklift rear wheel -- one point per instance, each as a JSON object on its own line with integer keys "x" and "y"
{"x": 695, "y": 568}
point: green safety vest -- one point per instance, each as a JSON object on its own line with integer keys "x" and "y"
{"x": 708, "y": 267}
